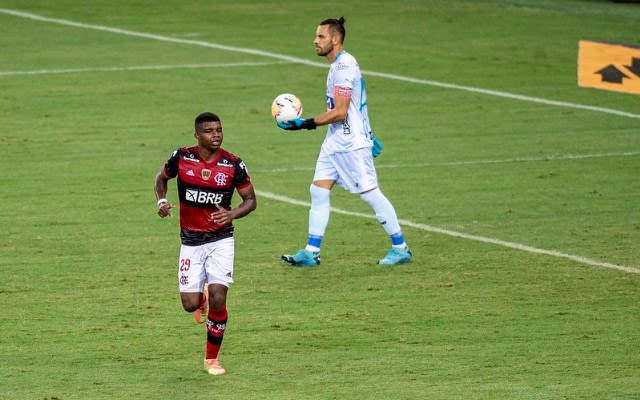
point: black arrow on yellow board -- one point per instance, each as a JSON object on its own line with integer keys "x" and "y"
{"x": 609, "y": 66}
{"x": 635, "y": 66}
{"x": 612, "y": 74}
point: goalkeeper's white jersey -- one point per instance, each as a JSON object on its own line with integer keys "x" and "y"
{"x": 354, "y": 132}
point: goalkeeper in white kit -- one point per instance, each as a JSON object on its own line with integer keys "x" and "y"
{"x": 346, "y": 155}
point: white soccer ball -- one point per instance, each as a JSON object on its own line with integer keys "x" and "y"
{"x": 286, "y": 107}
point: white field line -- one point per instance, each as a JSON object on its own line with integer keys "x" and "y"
{"x": 479, "y": 162}
{"x": 283, "y": 57}
{"x": 137, "y": 68}
{"x": 434, "y": 229}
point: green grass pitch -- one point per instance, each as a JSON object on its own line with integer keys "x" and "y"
{"x": 518, "y": 193}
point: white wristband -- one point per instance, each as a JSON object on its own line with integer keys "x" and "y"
{"x": 162, "y": 202}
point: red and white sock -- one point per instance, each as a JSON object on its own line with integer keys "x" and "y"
{"x": 216, "y": 325}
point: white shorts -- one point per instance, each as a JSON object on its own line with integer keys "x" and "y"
{"x": 352, "y": 170}
{"x": 211, "y": 263}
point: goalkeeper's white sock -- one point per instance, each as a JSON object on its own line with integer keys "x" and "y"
{"x": 318, "y": 216}
{"x": 386, "y": 215}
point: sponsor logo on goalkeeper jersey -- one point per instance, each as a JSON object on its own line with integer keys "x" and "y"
{"x": 330, "y": 103}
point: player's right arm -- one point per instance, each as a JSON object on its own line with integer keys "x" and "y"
{"x": 160, "y": 187}
{"x": 341, "y": 101}
{"x": 336, "y": 113}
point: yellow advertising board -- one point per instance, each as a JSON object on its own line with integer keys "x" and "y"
{"x": 609, "y": 66}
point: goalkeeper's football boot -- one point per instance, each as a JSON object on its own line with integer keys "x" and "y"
{"x": 396, "y": 256}
{"x": 213, "y": 367}
{"x": 302, "y": 258}
{"x": 200, "y": 315}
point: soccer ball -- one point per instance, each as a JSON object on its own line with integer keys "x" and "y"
{"x": 286, "y": 107}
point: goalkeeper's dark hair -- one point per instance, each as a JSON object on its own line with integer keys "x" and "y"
{"x": 336, "y": 27}
{"x": 206, "y": 117}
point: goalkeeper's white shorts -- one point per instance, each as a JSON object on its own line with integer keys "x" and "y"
{"x": 352, "y": 170}
{"x": 210, "y": 262}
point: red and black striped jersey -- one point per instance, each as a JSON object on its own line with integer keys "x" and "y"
{"x": 202, "y": 186}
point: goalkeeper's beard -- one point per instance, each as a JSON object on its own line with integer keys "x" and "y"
{"x": 323, "y": 53}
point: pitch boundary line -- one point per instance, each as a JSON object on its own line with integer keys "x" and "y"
{"x": 140, "y": 68}
{"x": 479, "y": 162}
{"x": 298, "y": 60}
{"x": 448, "y": 232}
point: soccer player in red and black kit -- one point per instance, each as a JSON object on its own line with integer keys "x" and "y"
{"x": 207, "y": 177}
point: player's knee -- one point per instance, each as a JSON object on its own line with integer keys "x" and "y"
{"x": 190, "y": 301}
{"x": 217, "y": 300}
{"x": 319, "y": 194}
{"x": 217, "y": 295}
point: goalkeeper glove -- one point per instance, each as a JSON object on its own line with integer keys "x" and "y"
{"x": 377, "y": 146}
{"x": 297, "y": 124}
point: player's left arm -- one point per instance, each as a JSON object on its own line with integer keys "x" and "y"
{"x": 249, "y": 203}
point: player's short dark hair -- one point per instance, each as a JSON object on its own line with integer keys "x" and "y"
{"x": 206, "y": 117}
{"x": 336, "y": 26}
